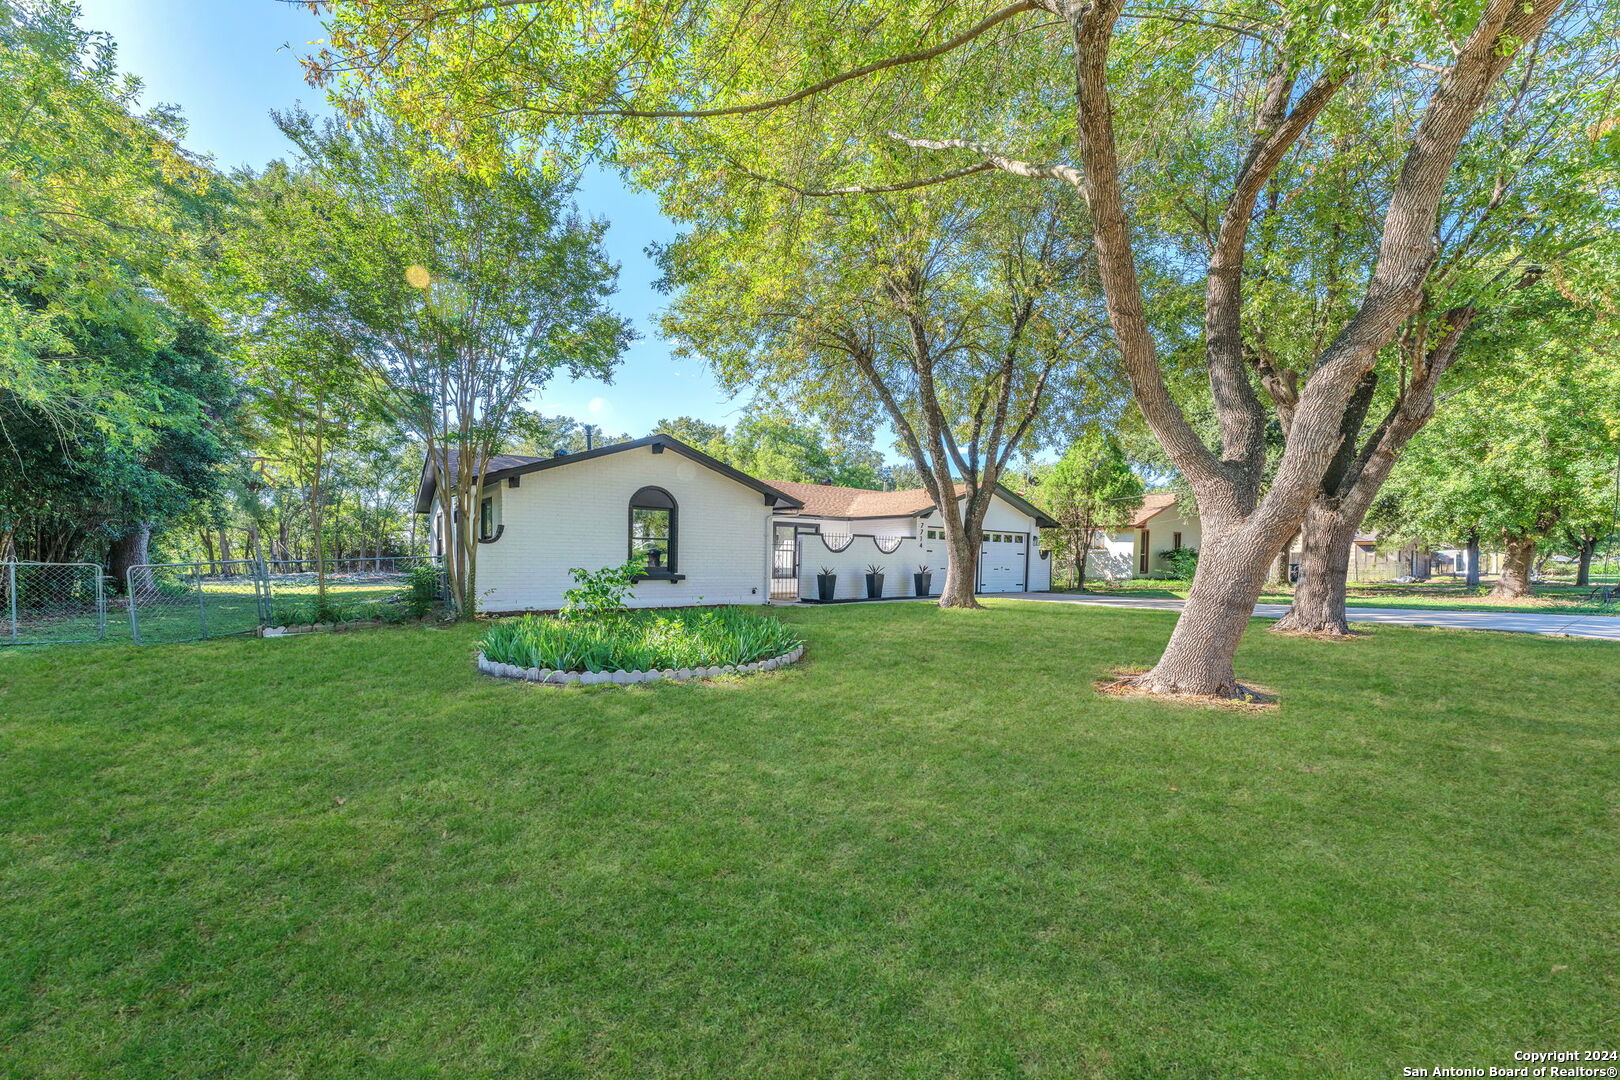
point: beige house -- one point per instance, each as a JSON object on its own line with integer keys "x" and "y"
{"x": 1162, "y": 523}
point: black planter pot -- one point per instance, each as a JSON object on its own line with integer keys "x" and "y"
{"x": 921, "y": 583}
{"x": 826, "y": 586}
{"x": 874, "y": 586}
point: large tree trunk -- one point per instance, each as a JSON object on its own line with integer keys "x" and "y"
{"x": 1082, "y": 553}
{"x": 1198, "y": 659}
{"x": 130, "y": 550}
{"x": 1583, "y": 571}
{"x": 1324, "y": 565}
{"x": 1472, "y": 555}
{"x": 1513, "y": 582}
{"x": 962, "y": 571}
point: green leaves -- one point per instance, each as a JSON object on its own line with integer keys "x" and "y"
{"x": 639, "y": 640}
{"x": 103, "y": 221}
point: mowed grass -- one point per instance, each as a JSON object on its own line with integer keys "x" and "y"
{"x": 929, "y": 850}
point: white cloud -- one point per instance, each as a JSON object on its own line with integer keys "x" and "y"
{"x": 596, "y": 406}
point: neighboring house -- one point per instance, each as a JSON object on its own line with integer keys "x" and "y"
{"x": 712, "y": 534}
{"x": 1162, "y": 523}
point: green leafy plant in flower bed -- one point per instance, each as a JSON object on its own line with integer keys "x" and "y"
{"x": 639, "y": 640}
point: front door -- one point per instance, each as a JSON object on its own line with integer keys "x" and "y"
{"x": 785, "y": 563}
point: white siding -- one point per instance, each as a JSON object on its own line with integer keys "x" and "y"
{"x": 1040, "y": 567}
{"x": 850, "y": 564}
{"x": 578, "y": 515}
{"x": 912, "y": 548}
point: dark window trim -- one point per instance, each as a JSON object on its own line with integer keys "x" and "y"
{"x": 635, "y": 578}
{"x": 672, "y": 555}
{"x": 486, "y": 519}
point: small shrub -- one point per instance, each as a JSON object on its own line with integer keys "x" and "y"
{"x": 598, "y": 593}
{"x": 421, "y": 595}
{"x": 1182, "y": 562}
{"x": 639, "y": 640}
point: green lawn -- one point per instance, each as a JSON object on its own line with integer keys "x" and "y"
{"x": 930, "y": 850}
{"x": 1554, "y": 598}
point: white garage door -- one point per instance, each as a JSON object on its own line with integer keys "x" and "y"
{"x": 1001, "y": 562}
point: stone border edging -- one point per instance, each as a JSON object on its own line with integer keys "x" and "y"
{"x": 548, "y": 677}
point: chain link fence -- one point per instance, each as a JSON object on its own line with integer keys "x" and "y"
{"x": 51, "y": 603}
{"x": 194, "y": 601}
{"x": 57, "y": 603}
{"x": 357, "y": 589}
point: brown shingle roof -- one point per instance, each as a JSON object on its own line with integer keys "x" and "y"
{"x": 825, "y": 500}
{"x": 1152, "y": 506}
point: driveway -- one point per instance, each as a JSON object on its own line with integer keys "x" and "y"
{"x": 1604, "y": 627}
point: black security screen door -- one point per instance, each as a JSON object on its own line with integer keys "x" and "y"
{"x": 785, "y": 564}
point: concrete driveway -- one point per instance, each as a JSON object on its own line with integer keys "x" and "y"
{"x": 1604, "y": 627}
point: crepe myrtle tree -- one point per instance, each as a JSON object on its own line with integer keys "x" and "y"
{"x": 457, "y": 293}
{"x": 832, "y": 100}
{"x": 958, "y": 328}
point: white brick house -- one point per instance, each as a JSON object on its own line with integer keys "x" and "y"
{"x": 713, "y": 535}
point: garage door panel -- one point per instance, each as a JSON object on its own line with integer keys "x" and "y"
{"x": 1002, "y": 561}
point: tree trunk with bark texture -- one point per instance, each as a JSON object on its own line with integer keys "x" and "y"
{"x": 1472, "y": 555}
{"x": 1513, "y": 582}
{"x": 1225, "y": 587}
{"x": 1583, "y": 571}
{"x": 131, "y": 549}
{"x": 1324, "y": 566}
{"x": 962, "y": 571}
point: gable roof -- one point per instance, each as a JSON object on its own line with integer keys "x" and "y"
{"x": 825, "y": 500}
{"x": 1152, "y": 506}
{"x": 504, "y": 465}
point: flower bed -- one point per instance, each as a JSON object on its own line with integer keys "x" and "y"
{"x": 635, "y": 646}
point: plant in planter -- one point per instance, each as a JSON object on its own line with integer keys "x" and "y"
{"x": 827, "y": 584}
{"x": 922, "y": 579}
{"x": 874, "y": 581}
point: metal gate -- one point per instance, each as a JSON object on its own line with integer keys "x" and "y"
{"x": 51, "y": 603}
{"x": 180, "y": 602}
{"x": 785, "y": 563}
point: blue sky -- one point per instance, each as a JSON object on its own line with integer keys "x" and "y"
{"x": 227, "y": 63}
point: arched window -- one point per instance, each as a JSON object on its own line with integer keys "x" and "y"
{"x": 654, "y": 529}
